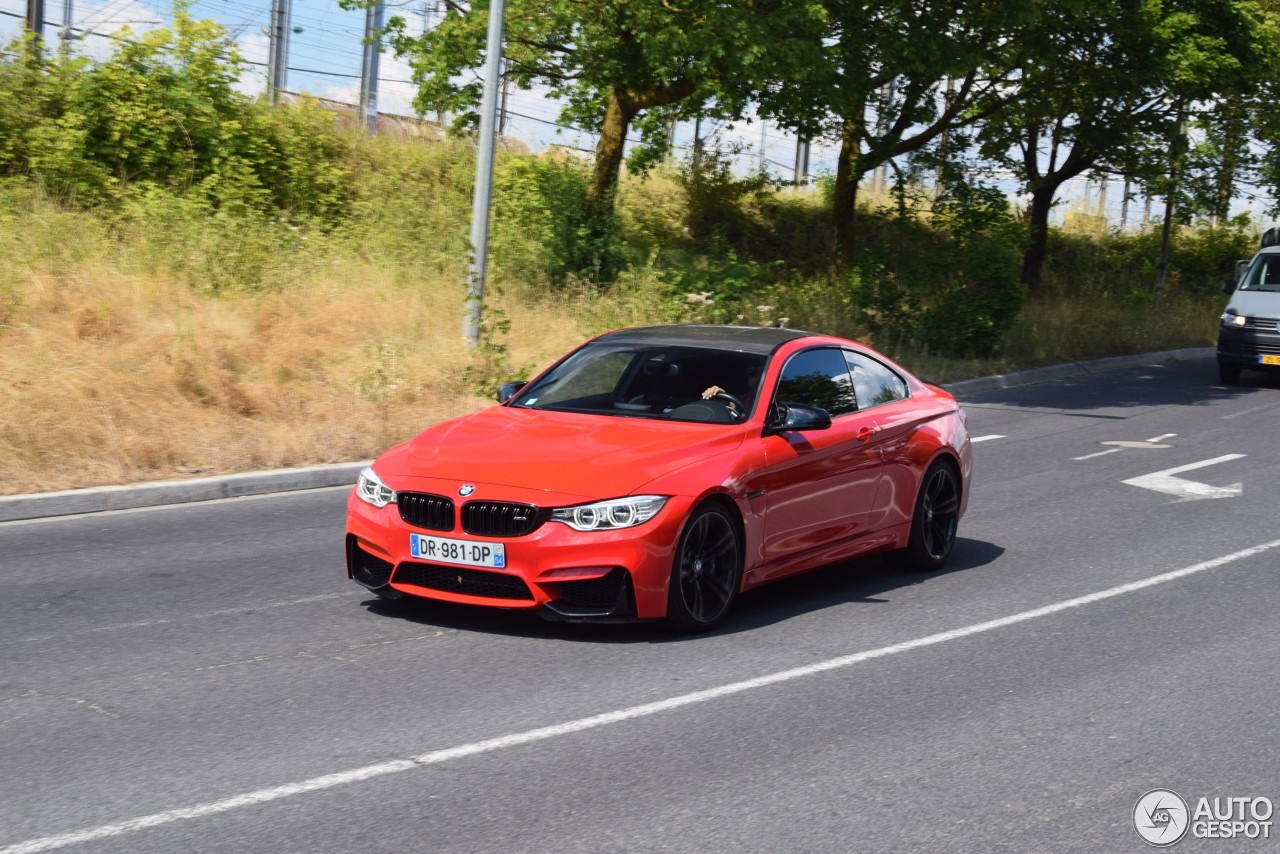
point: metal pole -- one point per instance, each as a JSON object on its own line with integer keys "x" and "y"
{"x": 484, "y": 177}
{"x": 502, "y": 110}
{"x": 697, "y": 142}
{"x": 802, "y": 160}
{"x": 35, "y": 22}
{"x": 64, "y": 36}
{"x": 278, "y": 50}
{"x": 764, "y": 126}
{"x": 369, "y": 70}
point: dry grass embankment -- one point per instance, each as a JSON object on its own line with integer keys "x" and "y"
{"x": 115, "y": 368}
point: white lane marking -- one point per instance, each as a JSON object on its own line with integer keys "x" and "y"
{"x": 435, "y": 757}
{"x": 183, "y": 618}
{"x": 1162, "y": 437}
{"x": 1099, "y": 454}
{"x": 1250, "y": 411}
{"x": 1188, "y": 490}
{"x": 976, "y": 439}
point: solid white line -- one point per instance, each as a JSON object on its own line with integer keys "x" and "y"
{"x": 1162, "y": 437}
{"x": 1099, "y": 454}
{"x": 368, "y": 772}
{"x": 987, "y": 438}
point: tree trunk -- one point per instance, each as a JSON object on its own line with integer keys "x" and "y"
{"x": 618, "y": 114}
{"x": 1038, "y": 226}
{"x": 844, "y": 202}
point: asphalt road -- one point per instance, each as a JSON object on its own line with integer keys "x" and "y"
{"x": 204, "y": 678}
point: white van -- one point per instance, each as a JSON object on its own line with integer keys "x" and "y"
{"x": 1249, "y": 336}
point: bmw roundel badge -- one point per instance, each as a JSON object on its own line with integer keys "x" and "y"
{"x": 466, "y": 489}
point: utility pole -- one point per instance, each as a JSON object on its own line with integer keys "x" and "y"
{"x": 64, "y": 35}
{"x": 1175, "y": 165}
{"x": 278, "y": 50}
{"x": 506, "y": 84}
{"x": 484, "y": 177}
{"x": 697, "y": 141}
{"x": 802, "y": 160}
{"x": 369, "y": 70}
{"x": 35, "y": 22}
{"x": 764, "y": 126}
{"x": 1124, "y": 207}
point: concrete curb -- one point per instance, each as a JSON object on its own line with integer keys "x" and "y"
{"x": 76, "y": 501}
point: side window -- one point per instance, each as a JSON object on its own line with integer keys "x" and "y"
{"x": 873, "y": 382}
{"x": 817, "y": 378}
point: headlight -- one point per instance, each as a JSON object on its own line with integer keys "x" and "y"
{"x": 610, "y": 515}
{"x": 371, "y": 488}
{"x": 1230, "y": 318}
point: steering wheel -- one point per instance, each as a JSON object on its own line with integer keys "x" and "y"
{"x": 738, "y": 406}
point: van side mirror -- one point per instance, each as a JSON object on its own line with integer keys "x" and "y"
{"x": 1229, "y": 286}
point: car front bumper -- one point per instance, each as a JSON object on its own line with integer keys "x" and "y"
{"x": 1256, "y": 346}
{"x": 561, "y": 573}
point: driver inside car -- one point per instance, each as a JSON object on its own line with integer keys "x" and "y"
{"x": 745, "y": 395}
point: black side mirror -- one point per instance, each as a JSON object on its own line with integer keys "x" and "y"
{"x": 508, "y": 390}
{"x": 1229, "y": 286}
{"x": 795, "y": 417}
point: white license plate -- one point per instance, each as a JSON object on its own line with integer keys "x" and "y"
{"x": 459, "y": 552}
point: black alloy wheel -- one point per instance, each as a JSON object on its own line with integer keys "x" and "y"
{"x": 933, "y": 527}
{"x": 707, "y": 570}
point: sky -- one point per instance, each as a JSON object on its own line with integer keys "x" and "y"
{"x": 325, "y": 57}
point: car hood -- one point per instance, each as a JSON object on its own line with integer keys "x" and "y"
{"x": 584, "y": 456}
{"x": 1255, "y": 303}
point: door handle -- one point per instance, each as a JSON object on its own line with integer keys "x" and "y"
{"x": 865, "y": 434}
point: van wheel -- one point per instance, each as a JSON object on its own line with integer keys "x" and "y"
{"x": 1228, "y": 374}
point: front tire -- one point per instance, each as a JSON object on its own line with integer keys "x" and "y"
{"x": 707, "y": 571}
{"x": 1228, "y": 374}
{"x": 933, "y": 525}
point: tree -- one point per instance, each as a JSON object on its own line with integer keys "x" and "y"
{"x": 1113, "y": 99}
{"x": 613, "y": 61}
{"x": 896, "y": 75}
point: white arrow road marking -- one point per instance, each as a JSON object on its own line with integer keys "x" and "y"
{"x": 1120, "y": 445}
{"x": 1188, "y": 490}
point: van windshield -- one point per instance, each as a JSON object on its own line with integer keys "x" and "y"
{"x": 1263, "y": 275}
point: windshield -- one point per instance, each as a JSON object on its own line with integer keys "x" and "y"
{"x": 649, "y": 381}
{"x": 1264, "y": 275}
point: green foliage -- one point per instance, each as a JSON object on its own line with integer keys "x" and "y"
{"x": 979, "y": 295}
{"x": 162, "y": 112}
{"x": 545, "y": 228}
{"x": 1123, "y": 266}
{"x": 716, "y": 209}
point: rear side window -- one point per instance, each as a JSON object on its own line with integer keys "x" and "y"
{"x": 818, "y": 378}
{"x": 873, "y": 382}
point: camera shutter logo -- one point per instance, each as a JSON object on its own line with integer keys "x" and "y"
{"x": 1161, "y": 817}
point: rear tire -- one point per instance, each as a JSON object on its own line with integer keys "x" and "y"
{"x": 1228, "y": 374}
{"x": 706, "y": 572}
{"x": 933, "y": 525}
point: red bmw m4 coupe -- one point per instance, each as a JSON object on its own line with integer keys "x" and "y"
{"x": 656, "y": 473}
